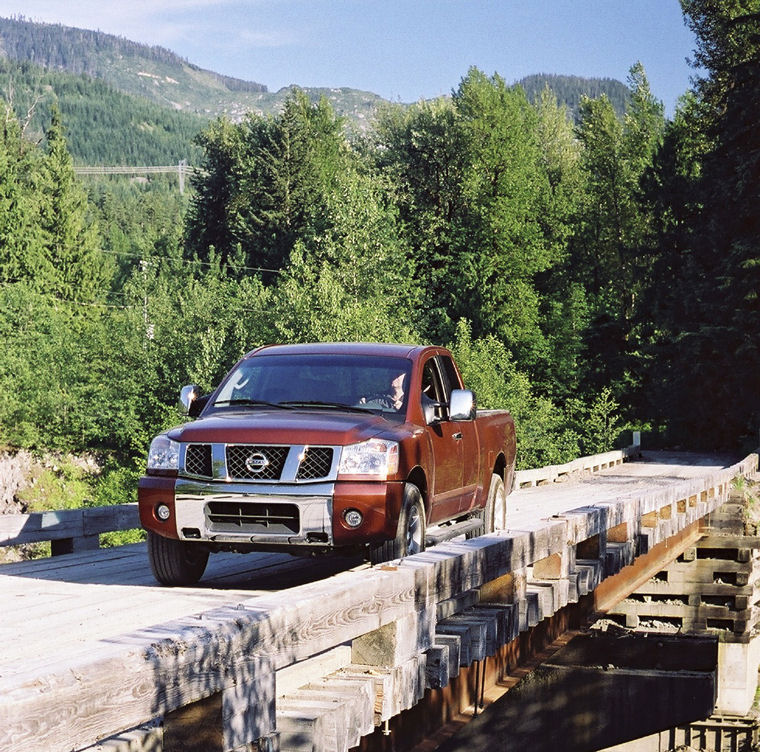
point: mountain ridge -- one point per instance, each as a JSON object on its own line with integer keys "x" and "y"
{"x": 156, "y": 73}
{"x": 160, "y": 75}
{"x": 125, "y": 102}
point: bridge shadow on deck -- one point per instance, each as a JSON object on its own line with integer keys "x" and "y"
{"x": 128, "y": 566}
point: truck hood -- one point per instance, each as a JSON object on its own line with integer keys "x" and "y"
{"x": 263, "y": 426}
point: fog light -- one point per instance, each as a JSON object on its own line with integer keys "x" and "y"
{"x": 353, "y": 517}
{"x": 163, "y": 512}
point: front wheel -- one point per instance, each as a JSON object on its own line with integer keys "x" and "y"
{"x": 176, "y": 562}
{"x": 410, "y": 534}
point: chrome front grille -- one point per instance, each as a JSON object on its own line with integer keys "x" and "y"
{"x": 316, "y": 463}
{"x": 198, "y": 460}
{"x": 266, "y": 463}
{"x": 250, "y": 462}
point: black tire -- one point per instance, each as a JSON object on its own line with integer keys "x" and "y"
{"x": 490, "y": 515}
{"x": 497, "y": 501}
{"x": 410, "y": 534}
{"x": 176, "y": 562}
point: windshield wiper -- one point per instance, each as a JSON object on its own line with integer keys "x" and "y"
{"x": 329, "y": 405}
{"x": 254, "y": 403}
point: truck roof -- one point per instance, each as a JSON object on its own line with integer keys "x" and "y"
{"x": 340, "y": 348}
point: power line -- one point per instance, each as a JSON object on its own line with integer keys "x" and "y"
{"x": 84, "y": 304}
{"x": 182, "y": 169}
{"x": 124, "y": 170}
{"x": 175, "y": 259}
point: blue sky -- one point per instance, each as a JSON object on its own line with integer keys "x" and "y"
{"x": 400, "y": 49}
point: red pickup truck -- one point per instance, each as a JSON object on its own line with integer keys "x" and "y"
{"x": 326, "y": 447}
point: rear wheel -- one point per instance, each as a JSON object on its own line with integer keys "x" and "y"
{"x": 492, "y": 515}
{"x": 410, "y": 534}
{"x": 176, "y": 562}
{"x": 497, "y": 499}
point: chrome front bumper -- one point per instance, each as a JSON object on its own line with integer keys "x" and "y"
{"x": 310, "y": 507}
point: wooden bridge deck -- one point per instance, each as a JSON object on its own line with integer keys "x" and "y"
{"x": 58, "y": 613}
{"x": 63, "y": 606}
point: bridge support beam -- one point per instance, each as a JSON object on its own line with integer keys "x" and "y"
{"x": 599, "y": 691}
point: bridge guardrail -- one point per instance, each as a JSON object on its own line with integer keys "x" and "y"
{"x": 593, "y": 463}
{"x": 68, "y": 530}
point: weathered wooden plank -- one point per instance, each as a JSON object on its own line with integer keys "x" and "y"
{"x": 147, "y": 738}
{"x": 292, "y": 678}
{"x": 175, "y": 670}
{"x": 397, "y": 688}
{"x": 467, "y": 634}
{"x": 71, "y": 562}
{"x": 248, "y": 707}
{"x": 504, "y": 616}
{"x": 111, "y": 518}
{"x": 42, "y": 526}
{"x": 484, "y": 636}
{"x": 16, "y": 529}
{"x": 298, "y": 730}
{"x": 437, "y": 666}
{"x": 391, "y": 645}
{"x": 454, "y": 644}
{"x": 359, "y": 696}
{"x": 529, "y": 610}
{"x": 334, "y": 730}
{"x": 355, "y": 697}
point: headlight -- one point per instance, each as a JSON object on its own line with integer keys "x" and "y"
{"x": 375, "y": 457}
{"x": 163, "y": 454}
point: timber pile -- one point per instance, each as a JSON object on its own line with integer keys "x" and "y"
{"x": 713, "y": 587}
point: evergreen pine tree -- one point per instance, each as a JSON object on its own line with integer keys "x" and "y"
{"x": 72, "y": 265}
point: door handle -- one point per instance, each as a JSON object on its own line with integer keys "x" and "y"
{"x": 457, "y": 436}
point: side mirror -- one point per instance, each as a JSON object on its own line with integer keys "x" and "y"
{"x": 428, "y": 410}
{"x": 188, "y": 395}
{"x": 462, "y": 405}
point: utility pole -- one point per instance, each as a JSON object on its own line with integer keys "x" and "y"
{"x": 181, "y": 173}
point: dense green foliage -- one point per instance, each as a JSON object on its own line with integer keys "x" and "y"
{"x": 592, "y": 277}
{"x": 705, "y": 194}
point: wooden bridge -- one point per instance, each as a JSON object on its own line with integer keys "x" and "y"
{"x": 273, "y": 652}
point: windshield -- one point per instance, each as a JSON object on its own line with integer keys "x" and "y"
{"x": 361, "y": 382}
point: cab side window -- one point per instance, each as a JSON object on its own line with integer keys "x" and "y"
{"x": 450, "y": 372}
{"x": 433, "y": 389}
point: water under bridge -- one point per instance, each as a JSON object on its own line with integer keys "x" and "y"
{"x": 273, "y": 652}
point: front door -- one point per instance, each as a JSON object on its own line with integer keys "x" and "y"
{"x": 446, "y": 442}
{"x": 469, "y": 442}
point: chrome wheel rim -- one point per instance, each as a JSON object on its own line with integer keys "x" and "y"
{"x": 414, "y": 531}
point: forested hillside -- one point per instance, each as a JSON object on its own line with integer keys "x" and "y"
{"x": 48, "y": 52}
{"x": 592, "y": 276}
{"x": 103, "y": 126}
{"x": 158, "y": 75}
{"x": 570, "y": 90}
